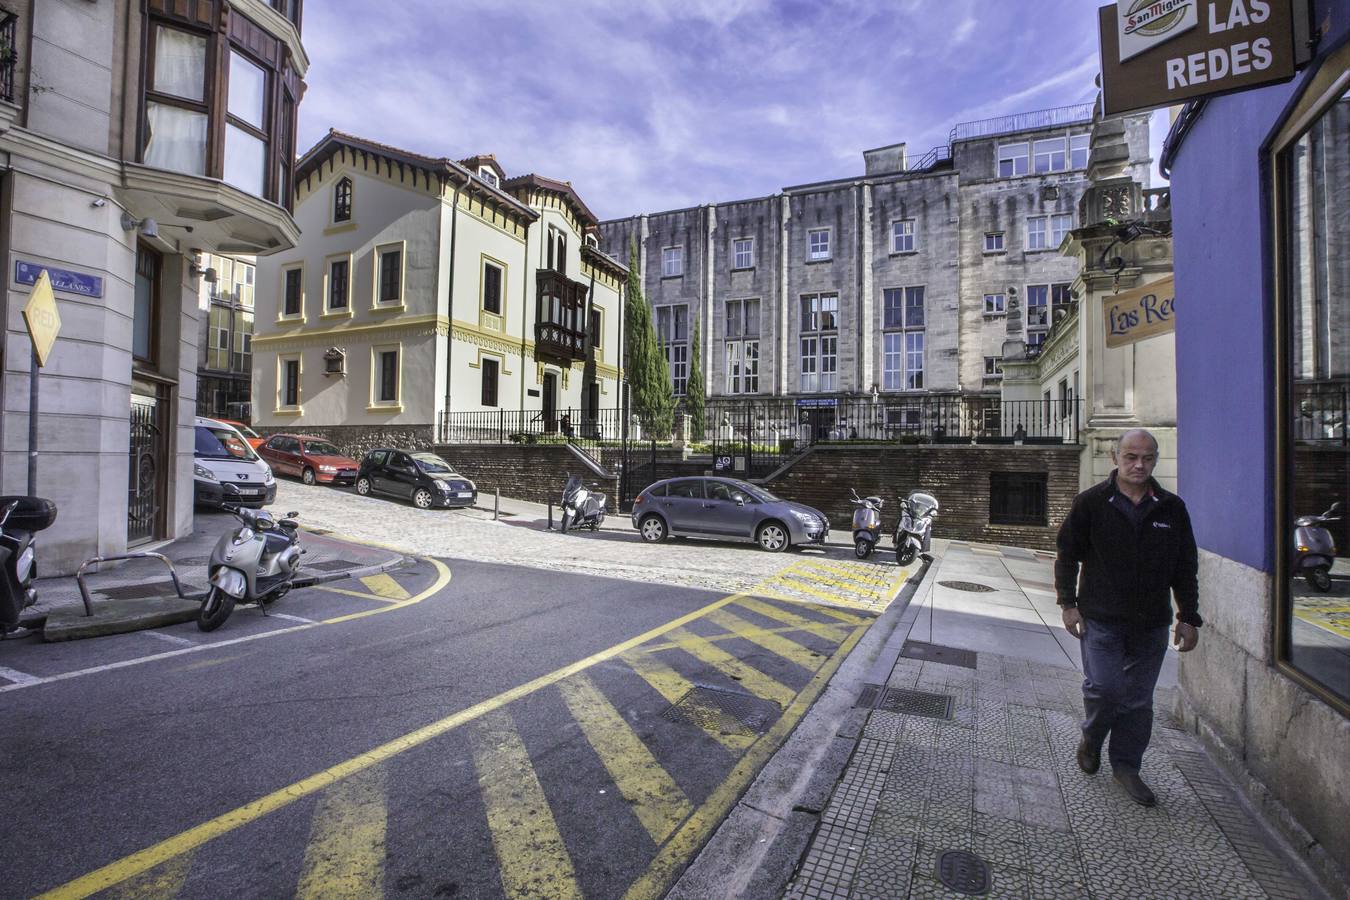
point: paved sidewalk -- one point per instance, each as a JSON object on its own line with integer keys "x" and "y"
{"x": 969, "y": 746}
{"x": 325, "y": 555}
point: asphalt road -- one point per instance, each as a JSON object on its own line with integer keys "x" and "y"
{"x": 454, "y": 729}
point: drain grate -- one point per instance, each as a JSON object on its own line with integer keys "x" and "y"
{"x": 723, "y": 712}
{"x": 970, "y": 586}
{"x": 135, "y": 591}
{"x": 963, "y": 872}
{"x": 951, "y": 656}
{"x": 869, "y": 696}
{"x": 332, "y": 565}
{"x": 917, "y": 703}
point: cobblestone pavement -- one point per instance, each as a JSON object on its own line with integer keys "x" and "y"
{"x": 988, "y": 768}
{"x": 829, "y": 575}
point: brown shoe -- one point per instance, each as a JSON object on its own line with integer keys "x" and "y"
{"x": 1089, "y": 757}
{"x": 1134, "y": 786}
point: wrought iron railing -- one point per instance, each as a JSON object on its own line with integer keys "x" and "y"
{"x": 1026, "y": 121}
{"x": 8, "y": 54}
{"x": 1320, "y": 412}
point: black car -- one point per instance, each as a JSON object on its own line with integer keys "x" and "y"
{"x": 424, "y": 478}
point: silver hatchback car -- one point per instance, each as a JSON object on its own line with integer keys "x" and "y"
{"x": 728, "y": 509}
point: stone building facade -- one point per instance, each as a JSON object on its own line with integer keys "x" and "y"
{"x": 135, "y": 138}
{"x": 893, "y": 283}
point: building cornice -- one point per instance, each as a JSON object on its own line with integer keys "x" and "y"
{"x": 404, "y": 326}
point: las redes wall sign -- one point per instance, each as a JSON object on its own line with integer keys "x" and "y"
{"x": 1143, "y": 312}
{"x": 1160, "y": 52}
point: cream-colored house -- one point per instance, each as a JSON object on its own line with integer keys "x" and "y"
{"x": 423, "y": 286}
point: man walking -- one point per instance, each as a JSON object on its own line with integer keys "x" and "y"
{"x": 1125, "y": 551}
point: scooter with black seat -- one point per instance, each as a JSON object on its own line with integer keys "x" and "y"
{"x": 255, "y": 563}
{"x": 20, "y": 520}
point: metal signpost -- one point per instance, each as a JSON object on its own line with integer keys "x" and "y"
{"x": 44, "y": 324}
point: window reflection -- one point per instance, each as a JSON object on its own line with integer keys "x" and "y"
{"x": 1317, "y": 213}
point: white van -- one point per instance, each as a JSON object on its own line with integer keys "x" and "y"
{"x": 226, "y": 470}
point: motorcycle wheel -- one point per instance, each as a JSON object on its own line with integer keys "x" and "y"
{"x": 566, "y": 522}
{"x": 862, "y": 548}
{"x": 1319, "y": 579}
{"x": 216, "y": 608}
{"x": 904, "y": 555}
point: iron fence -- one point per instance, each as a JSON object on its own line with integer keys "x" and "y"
{"x": 1320, "y": 411}
{"x": 1041, "y": 118}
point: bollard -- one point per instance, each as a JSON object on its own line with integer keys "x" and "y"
{"x": 550, "y": 515}
{"x": 496, "y": 504}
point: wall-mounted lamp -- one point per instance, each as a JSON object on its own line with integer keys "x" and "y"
{"x": 98, "y": 202}
{"x": 148, "y": 226}
{"x": 208, "y": 275}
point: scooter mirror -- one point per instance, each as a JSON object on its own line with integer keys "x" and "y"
{"x": 292, "y": 515}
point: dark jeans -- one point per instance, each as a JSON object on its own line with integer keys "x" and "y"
{"x": 1120, "y": 670}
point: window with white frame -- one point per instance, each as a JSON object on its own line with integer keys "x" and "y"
{"x": 384, "y": 373}
{"x": 742, "y": 346}
{"x": 819, "y": 342}
{"x": 1012, "y": 160}
{"x": 292, "y": 291}
{"x": 288, "y": 382}
{"x": 492, "y": 288}
{"x": 902, "y": 236}
{"x": 903, "y": 318}
{"x": 672, "y": 262}
{"x": 1035, "y": 341}
{"x": 1078, "y": 151}
{"x": 1038, "y": 308}
{"x": 1049, "y": 156}
{"x": 994, "y": 304}
{"x": 743, "y": 253}
{"x": 818, "y": 244}
{"x": 342, "y": 200}
{"x": 389, "y": 277}
{"x": 337, "y": 297}
{"x": 672, "y": 330}
{"x": 1036, "y": 233}
{"x": 1060, "y": 226}
{"x": 993, "y": 367}
{"x": 488, "y": 175}
{"x": 993, "y": 242}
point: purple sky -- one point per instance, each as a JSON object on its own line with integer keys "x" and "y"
{"x": 660, "y": 104}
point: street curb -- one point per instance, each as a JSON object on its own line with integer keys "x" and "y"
{"x": 757, "y": 849}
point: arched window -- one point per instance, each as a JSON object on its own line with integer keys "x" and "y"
{"x": 342, "y": 200}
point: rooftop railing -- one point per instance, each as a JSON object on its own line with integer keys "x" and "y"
{"x": 1027, "y": 121}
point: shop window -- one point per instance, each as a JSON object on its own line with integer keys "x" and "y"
{"x": 1017, "y": 498}
{"x": 144, "y": 324}
{"x": 1313, "y": 171}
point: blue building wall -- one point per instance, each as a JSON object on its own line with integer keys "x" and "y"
{"x": 1225, "y": 374}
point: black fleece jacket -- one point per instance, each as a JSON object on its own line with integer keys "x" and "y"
{"x": 1116, "y": 571}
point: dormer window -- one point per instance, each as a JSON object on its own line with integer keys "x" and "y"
{"x": 489, "y": 176}
{"x": 342, "y": 200}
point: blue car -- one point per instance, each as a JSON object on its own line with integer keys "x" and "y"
{"x": 727, "y": 509}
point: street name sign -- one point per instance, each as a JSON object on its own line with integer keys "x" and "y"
{"x": 82, "y": 283}
{"x": 1157, "y": 53}
{"x": 1140, "y": 313}
{"x": 42, "y": 318}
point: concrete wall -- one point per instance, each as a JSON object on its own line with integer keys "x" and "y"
{"x": 535, "y": 473}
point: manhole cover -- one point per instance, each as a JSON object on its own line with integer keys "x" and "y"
{"x": 952, "y": 656}
{"x": 967, "y": 586}
{"x": 963, "y": 872}
{"x": 723, "y": 712}
{"x": 916, "y": 703}
{"x": 332, "y": 565}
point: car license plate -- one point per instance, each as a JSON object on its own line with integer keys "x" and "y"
{"x": 251, "y": 492}
{"x": 464, "y": 494}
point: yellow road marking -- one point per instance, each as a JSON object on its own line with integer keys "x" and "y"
{"x": 865, "y": 589}
{"x": 673, "y": 686}
{"x": 382, "y": 585}
{"x": 814, "y": 592}
{"x": 531, "y": 857}
{"x": 831, "y": 632}
{"x": 161, "y": 883}
{"x": 657, "y": 801}
{"x": 781, "y": 646}
{"x": 752, "y": 679}
{"x": 143, "y": 860}
{"x": 831, "y": 611}
{"x": 345, "y": 855}
{"x": 695, "y": 831}
{"x": 347, "y": 593}
{"x": 442, "y": 579}
{"x": 866, "y": 573}
{"x": 719, "y": 638}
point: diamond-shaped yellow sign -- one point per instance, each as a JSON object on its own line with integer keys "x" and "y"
{"x": 41, "y": 317}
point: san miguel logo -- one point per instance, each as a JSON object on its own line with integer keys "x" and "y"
{"x": 1147, "y": 23}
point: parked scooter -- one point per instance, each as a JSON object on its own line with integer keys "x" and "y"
{"x": 866, "y": 524}
{"x": 581, "y": 506}
{"x": 20, "y": 519}
{"x": 914, "y": 531}
{"x": 1315, "y": 548}
{"x": 256, "y": 563}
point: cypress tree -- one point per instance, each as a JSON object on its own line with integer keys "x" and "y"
{"x": 648, "y": 378}
{"x": 693, "y": 395}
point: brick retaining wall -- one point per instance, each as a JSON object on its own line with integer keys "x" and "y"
{"x": 355, "y": 440}
{"x": 533, "y": 472}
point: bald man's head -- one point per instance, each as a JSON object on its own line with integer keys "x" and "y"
{"x": 1135, "y": 455}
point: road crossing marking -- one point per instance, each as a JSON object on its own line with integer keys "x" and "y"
{"x": 657, "y": 801}
{"x": 673, "y": 686}
{"x": 532, "y": 859}
{"x": 383, "y": 585}
{"x": 833, "y": 633}
{"x": 752, "y": 679}
{"x": 169, "y": 638}
{"x": 345, "y": 855}
{"x": 290, "y": 618}
{"x": 803, "y": 656}
{"x": 809, "y": 588}
{"x": 19, "y": 678}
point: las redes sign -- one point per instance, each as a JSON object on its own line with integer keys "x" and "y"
{"x": 1143, "y": 312}
{"x": 1161, "y": 52}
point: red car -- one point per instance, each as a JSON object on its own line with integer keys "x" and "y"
{"x": 313, "y": 459}
{"x": 254, "y": 439}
